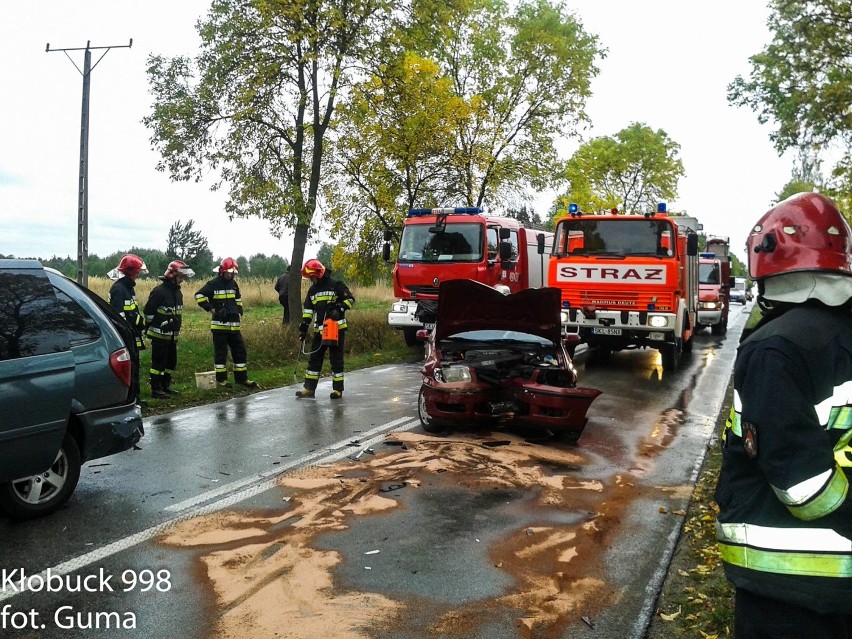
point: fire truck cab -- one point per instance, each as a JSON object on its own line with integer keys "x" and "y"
{"x": 628, "y": 281}
{"x": 459, "y": 243}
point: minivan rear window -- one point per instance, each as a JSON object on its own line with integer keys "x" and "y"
{"x": 28, "y": 325}
{"x": 80, "y": 326}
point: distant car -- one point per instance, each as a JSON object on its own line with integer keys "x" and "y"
{"x": 739, "y": 292}
{"x": 499, "y": 359}
{"x": 65, "y": 371}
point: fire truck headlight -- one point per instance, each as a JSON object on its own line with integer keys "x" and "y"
{"x": 657, "y": 321}
{"x": 709, "y": 306}
{"x": 563, "y": 317}
{"x": 451, "y": 374}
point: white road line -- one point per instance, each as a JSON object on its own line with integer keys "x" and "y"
{"x": 263, "y": 482}
{"x": 300, "y": 461}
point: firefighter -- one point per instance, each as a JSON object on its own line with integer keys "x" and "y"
{"x": 785, "y": 509}
{"x": 122, "y": 297}
{"x": 327, "y": 299}
{"x": 221, "y": 297}
{"x": 163, "y": 312}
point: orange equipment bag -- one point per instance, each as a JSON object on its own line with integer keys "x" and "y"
{"x": 329, "y": 332}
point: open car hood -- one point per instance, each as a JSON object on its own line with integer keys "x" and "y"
{"x": 466, "y": 305}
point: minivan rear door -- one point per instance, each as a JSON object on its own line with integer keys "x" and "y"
{"x": 36, "y": 371}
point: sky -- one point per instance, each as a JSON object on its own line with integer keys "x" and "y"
{"x": 668, "y": 65}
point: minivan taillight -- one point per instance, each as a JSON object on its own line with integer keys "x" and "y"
{"x": 120, "y": 363}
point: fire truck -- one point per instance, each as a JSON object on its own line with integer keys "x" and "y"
{"x": 442, "y": 244}
{"x": 628, "y": 281}
{"x": 714, "y": 284}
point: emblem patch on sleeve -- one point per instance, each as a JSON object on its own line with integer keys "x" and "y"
{"x": 750, "y": 439}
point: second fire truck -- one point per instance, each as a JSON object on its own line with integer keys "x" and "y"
{"x": 628, "y": 281}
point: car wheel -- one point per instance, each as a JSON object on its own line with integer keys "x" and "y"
{"x": 430, "y": 424}
{"x": 41, "y": 494}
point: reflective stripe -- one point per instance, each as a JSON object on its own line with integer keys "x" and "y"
{"x": 826, "y": 502}
{"x": 788, "y": 539}
{"x": 733, "y": 423}
{"x": 787, "y": 563}
{"x": 834, "y": 411}
{"x": 843, "y": 451}
{"x": 803, "y": 491}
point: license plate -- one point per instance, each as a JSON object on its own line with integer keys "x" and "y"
{"x": 606, "y": 331}
{"x": 429, "y": 327}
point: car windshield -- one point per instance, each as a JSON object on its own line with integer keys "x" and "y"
{"x": 461, "y": 242}
{"x": 502, "y": 337}
{"x": 623, "y": 237}
{"x": 708, "y": 273}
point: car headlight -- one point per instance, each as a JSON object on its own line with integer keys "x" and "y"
{"x": 657, "y": 321}
{"x": 450, "y": 374}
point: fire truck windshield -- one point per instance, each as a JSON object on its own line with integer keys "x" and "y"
{"x": 708, "y": 273}
{"x": 623, "y": 237}
{"x": 460, "y": 242}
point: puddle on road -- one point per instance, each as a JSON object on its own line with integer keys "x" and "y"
{"x": 271, "y": 581}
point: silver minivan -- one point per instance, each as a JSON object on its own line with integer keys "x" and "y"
{"x": 65, "y": 372}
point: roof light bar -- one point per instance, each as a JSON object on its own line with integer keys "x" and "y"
{"x": 459, "y": 210}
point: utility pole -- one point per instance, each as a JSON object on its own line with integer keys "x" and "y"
{"x": 83, "y": 191}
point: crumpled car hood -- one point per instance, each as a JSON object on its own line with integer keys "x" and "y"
{"x": 466, "y": 305}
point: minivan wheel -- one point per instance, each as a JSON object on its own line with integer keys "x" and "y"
{"x": 41, "y": 494}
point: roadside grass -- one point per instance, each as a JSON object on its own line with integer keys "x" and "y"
{"x": 696, "y": 599}
{"x": 274, "y": 359}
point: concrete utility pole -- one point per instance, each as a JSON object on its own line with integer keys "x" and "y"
{"x": 83, "y": 193}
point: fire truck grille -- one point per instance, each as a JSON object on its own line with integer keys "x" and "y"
{"x": 424, "y": 290}
{"x": 626, "y": 300}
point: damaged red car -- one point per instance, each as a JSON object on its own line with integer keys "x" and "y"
{"x": 495, "y": 359}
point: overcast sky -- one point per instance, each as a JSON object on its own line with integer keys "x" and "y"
{"x": 668, "y": 66}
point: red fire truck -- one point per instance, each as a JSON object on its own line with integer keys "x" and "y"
{"x": 459, "y": 243}
{"x": 628, "y": 281}
{"x": 714, "y": 284}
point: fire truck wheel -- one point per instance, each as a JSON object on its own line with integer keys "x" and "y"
{"x": 671, "y": 356}
{"x": 410, "y": 336}
{"x": 719, "y": 329}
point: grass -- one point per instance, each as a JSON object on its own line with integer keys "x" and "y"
{"x": 273, "y": 349}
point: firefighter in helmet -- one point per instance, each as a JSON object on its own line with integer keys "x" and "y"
{"x": 122, "y": 297}
{"x": 327, "y": 300}
{"x": 785, "y": 508}
{"x": 221, "y": 297}
{"x": 163, "y": 312}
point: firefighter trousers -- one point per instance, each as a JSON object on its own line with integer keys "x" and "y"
{"x": 223, "y": 341}
{"x": 758, "y": 617}
{"x": 335, "y": 358}
{"x": 163, "y": 361}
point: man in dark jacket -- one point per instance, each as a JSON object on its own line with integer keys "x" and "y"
{"x": 122, "y": 297}
{"x": 282, "y": 287}
{"x": 327, "y": 299}
{"x": 785, "y": 508}
{"x": 163, "y": 312}
{"x": 221, "y": 297}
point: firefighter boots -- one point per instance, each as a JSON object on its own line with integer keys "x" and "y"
{"x": 305, "y": 392}
{"x": 336, "y": 394}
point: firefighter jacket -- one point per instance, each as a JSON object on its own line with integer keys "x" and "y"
{"x": 122, "y": 297}
{"x": 328, "y": 298}
{"x": 222, "y": 298}
{"x": 785, "y": 518}
{"x": 163, "y": 311}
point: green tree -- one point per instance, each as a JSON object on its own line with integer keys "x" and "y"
{"x": 801, "y": 82}
{"x": 524, "y": 73}
{"x": 257, "y": 102}
{"x": 188, "y": 245}
{"x": 631, "y": 171}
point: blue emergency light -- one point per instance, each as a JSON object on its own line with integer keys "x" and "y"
{"x": 459, "y": 210}
{"x": 661, "y": 207}
{"x": 573, "y": 208}
{"x": 707, "y": 256}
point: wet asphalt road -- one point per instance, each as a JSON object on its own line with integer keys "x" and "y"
{"x": 656, "y": 426}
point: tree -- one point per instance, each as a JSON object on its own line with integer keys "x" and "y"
{"x": 524, "y": 74}
{"x": 268, "y": 79}
{"x": 802, "y": 83}
{"x": 631, "y": 172}
{"x": 185, "y": 243}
